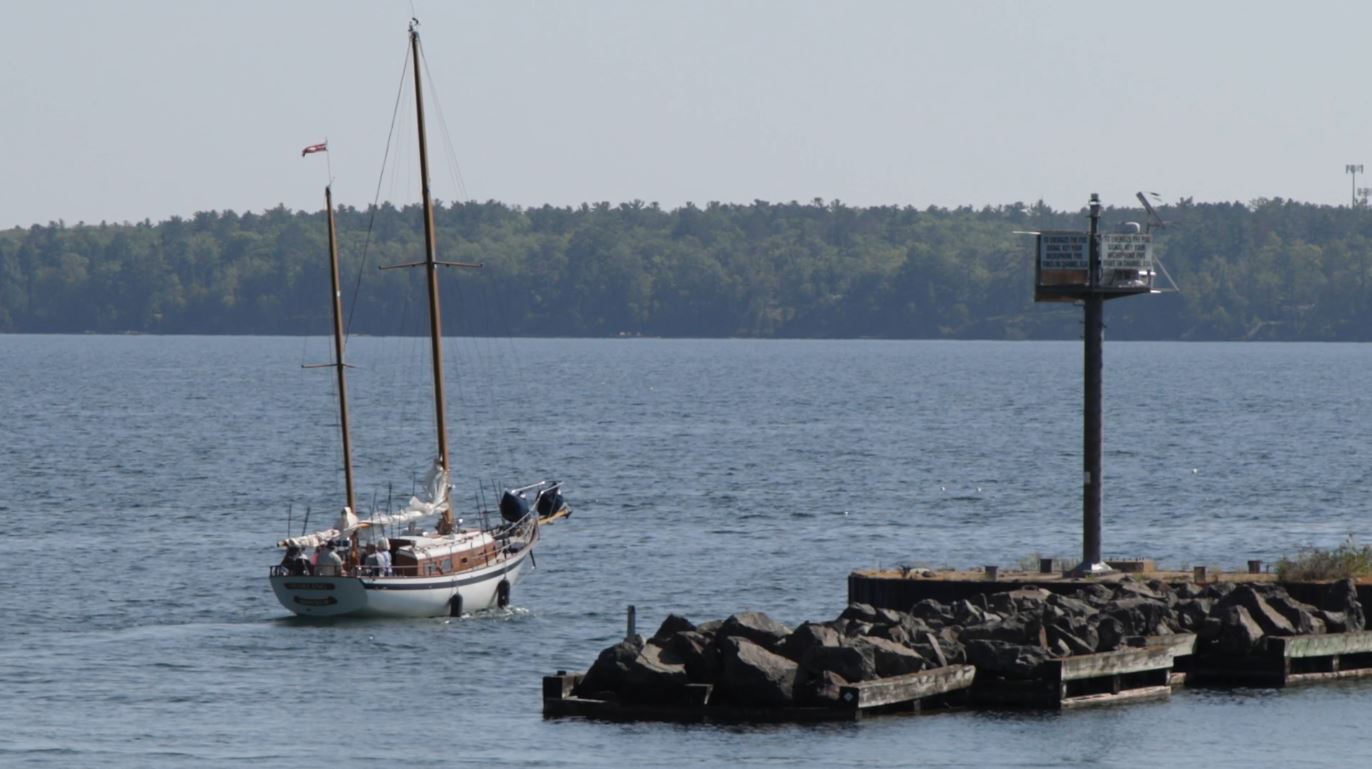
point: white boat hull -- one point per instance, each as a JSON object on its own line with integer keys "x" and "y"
{"x": 314, "y": 596}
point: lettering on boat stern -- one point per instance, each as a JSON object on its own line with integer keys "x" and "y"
{"x": 309, "y": 586}
{"x": 325, "y": 601}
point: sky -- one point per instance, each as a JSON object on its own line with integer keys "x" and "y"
{"x": 149, "y": 109}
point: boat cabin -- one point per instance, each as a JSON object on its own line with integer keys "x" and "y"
{"x": 422, "y": 556}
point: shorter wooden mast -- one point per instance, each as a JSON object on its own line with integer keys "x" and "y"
{"x": 354, "y": 552}
{"x": 338, "y": 355}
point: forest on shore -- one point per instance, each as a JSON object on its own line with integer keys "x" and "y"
{"x": 1270, "y": 269}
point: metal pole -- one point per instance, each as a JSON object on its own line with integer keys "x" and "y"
{"x": 1092, "y": 433}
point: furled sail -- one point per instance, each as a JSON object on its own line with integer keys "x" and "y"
{"x": 435, "y": 501}
{"x": 436, "y": 491}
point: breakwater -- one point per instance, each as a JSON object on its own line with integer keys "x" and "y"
{"x": 1011, "y": 643}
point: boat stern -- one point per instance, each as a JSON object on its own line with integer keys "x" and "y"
{"x": 314, "y": 596}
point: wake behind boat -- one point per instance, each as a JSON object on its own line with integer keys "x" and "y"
{"x": 392, "y": 565}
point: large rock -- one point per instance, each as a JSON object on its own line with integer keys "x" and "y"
{"x": 1030, "y": 599}
{"x": 854, "y": 661}
{"x": 824, "y": 689}
{"x": 1258, "y": 609}
{"x": 1188, "y": 590}
{"x": 1302, "y": 616}
{"x": 1163, "y": 591}
{"x": 1239, "y": 633}
{"x": 1096, "y": 594}
{"x": 607, "y": 674}
{"x": 1110, "y": 633}
{"x": 862, "y": 612}
{"x": 929, "y": 647}
{"x": 1072, "y": 606}
{"x": 674, "y": 624}
{"x": 1015, "y": 631}
{"x": 890, "y": 617}
{"x": 754, "y": 676}
{"x": 806, "y": 637}
{"x": 893, "y": 659}
{"x": 1334, "y": 621}
{"x": 1342, "y": 596}
{"x": 1001, "y": 603}
{"x": 1006, "y": 659}
{"x": 1139, "y": 615}
{"x": 968, "y": 613}
{"x": 894, "y": 633}
{"x": 1129, "y": 587}
{"x": 853, "y": 628}
{"x": 1217, "y": 590}
{"x": 698, "y": 653}
{"x": 710, "y": 628}
{"x": 904, "y": 632}
{"x": 1191, "y": 613}
{"x": 1062, "y": 637}
{"x": 952, "y": 648}
{"x": 656, "y": 674}
{"x": 756, "y": 627}
{"x": 934, "y": 613}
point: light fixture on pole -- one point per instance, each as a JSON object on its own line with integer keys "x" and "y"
{"x": 1363, "y": 194}
{"x": 1354, "y": 169}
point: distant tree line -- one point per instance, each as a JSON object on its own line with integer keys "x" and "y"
{"x": 1270, "y": 269}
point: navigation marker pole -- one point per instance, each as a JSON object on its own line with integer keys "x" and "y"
{"x": 1092, "y": 420}
{"x": 1091, "y": 267}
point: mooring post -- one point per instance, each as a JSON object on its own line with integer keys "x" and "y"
{"x": 1093, "y": 431}
{"x": 629, "y": 630}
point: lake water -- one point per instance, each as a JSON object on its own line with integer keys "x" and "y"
{"x": 143, "y": 481}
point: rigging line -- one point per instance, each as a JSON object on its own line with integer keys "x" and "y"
{"x": 498, "y": 407}
{"x": 371, "y": 220}
{"x": 453, "y": 167}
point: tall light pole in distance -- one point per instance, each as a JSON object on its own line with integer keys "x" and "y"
{"x": 1363, "y": 194}
{"x": 1354, "y": 169}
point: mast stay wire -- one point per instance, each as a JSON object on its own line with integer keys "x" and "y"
{"x": 489, "y": 344}
{"x": 492, "y": 341}
{"x": 481, "y": 353}
{"x": 376, "y": 199}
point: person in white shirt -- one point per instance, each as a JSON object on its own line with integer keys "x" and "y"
{"x": 328, "y": 563}
{"x": 383, "y": 555}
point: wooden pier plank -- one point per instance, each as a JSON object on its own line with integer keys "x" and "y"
{"x": 1142, "y": 694}
{"x": 1321, "y": 645}
{"x": 1112, "y": 663}
{"x": 907, "y": 688}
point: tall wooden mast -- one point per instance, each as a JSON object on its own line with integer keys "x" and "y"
{"x": 431, "y": 265}
{"x": 338, "y": 355}
{"x": 445, "y": 525}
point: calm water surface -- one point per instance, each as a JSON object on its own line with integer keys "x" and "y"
{"x": 143, "y": 480}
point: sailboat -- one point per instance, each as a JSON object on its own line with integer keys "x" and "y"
{"x": 444, "y": 569}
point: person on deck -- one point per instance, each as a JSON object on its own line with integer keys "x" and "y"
{"x": 328, "y": 564}
{"x": 371, "y": 562}
{"x": 295, "y": 562}
{"x": 383, "y": 554}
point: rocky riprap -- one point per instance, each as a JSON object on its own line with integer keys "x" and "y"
{"x": 752, "y": 660}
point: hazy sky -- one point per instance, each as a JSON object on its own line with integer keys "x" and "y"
{"x": 132, "y": 110}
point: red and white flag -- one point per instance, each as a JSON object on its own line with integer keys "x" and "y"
{"x": 322, "y": 147}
